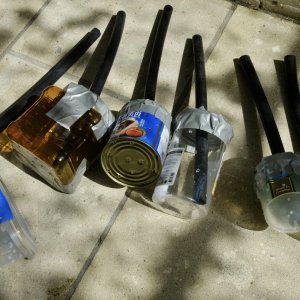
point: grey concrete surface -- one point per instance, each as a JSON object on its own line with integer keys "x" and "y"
{"x": 143, "y": 253}
{"x": 65, "y": 227}
{"x": 15, "y": 17}
{"x": 148, "y": 255}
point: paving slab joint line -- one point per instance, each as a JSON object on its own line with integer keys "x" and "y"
{"x": 96, "y": 248}
{"x": 33, "y": 18}
{"x": 220, "y": 31}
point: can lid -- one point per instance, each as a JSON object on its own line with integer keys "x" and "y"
{"x": 131, "y": 162}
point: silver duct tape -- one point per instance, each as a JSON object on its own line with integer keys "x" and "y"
{"x": 107, "y": 118}
{"x": 148, "y": 106}
{"x": 199, "y": 118}
{"x": 274, "y": 166}
{"x": 76, "y": 101}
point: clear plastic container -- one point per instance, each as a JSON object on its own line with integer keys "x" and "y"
{"x": 175, "y": 187}
{"x": 277, "y": 183}
{"x": 15, "y": 239}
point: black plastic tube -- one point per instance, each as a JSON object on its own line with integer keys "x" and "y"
{"x": 139, "y": 88}
{"x": 151, "y": 82}
{"x": 200, "y": 78}
{"x": 185, "y": 79}
{"x": 262, "y": 105}
{"x": 110, "y": 54}
{"x": 201, "y": 157}
{"x": 20, "y": 105}
{"x": 293, "y": 88}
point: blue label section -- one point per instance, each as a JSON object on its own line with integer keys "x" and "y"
{"x": 279, "y": 176}
{"x": 5, "y": 212}
{"x": 142, "y": 126}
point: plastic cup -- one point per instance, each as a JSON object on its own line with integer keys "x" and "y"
{"x": 15, "y": 239}
{"x": 278, "y": 189}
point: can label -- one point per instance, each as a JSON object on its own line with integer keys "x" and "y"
{"x": 5, "y": 211}
{"x": 144, "y": 127}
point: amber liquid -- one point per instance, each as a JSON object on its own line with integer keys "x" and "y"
{"x": 59, "y": 149}
{"x": 5, "y": 144}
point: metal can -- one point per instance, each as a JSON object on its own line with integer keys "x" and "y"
{"x": 138, "y": 144}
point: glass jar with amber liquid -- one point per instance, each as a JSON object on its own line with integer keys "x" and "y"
{"x": 54, "y": 152}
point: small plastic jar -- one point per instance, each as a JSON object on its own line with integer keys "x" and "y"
{"x": 277, "y": 183}
{"x": 174, "y": 189}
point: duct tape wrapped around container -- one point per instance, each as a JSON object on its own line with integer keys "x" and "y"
{"x": 15, "y": 239}
{"x": 75, "y": 103}
{"x": 277, "y": 183}
{"x": 58, "y": 137}
{"x": 174, "y": 189}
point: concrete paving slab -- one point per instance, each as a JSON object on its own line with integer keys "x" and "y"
{"x": 65, "y": 227}
{"x": 14, "y": 17}
{"x": 62, "y": 22}
{"x": 231, "y": 254}
{"x": 148, "y": 255}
